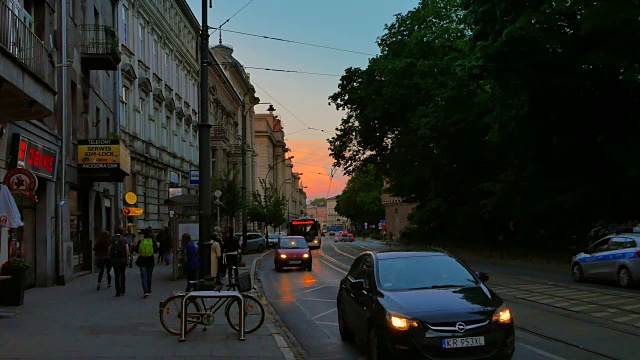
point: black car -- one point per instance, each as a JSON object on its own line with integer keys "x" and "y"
{"x": 422, "y": 304}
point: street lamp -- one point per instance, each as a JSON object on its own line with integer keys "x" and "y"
{"x": 271, "y": 109}
{"x": 274, "y": 165}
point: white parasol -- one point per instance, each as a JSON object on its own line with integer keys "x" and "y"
{"x": 9, "y": 214}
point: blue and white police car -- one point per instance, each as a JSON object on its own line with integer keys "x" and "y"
{"x": 614, "y": 257}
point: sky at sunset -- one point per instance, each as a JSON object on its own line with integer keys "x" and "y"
{"x": 301, "y": 100}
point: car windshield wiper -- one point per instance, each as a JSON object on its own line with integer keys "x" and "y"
{"x": 435, "y": 287}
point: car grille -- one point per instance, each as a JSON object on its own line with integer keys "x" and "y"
{"x": 450, "y": 327}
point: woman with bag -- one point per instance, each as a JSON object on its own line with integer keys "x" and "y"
{"x": 216, "y": 253}
{"x": 146, "y": 260}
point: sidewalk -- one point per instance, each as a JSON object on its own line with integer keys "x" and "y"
{"x": 76, "y": 321}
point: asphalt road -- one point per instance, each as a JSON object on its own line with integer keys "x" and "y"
{"x": 555, "y": 317}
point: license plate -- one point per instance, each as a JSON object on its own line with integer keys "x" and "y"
{"x": 295, "y": 262}
{"x": 453, "y": 343}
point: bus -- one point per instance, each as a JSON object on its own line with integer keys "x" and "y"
{"x": 309, "y": 228}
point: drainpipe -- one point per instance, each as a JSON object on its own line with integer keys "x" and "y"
{"x": 63, "y": 155}
{"x": 117, "y": 86}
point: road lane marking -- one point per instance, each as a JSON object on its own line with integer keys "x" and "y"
{"x": 629, "y": 307}
{"x": 343, "y": 253}
{"x": 583, "y": 307}
{"x": 322, "y": 314}
{"x": 333, "y": 267}
{"x": 314, "y": 289}
{"x": 326, "y": 323}
{"x": 542, "y": 352}
{"x": 611, "y": 302}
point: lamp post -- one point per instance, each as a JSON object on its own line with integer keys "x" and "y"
{"x": 204, "y": 154}
{"x": 274, "y": 165}
{"x": 271, "y": 109}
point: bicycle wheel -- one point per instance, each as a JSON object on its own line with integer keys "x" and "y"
{"x": 253, "y": 314}
{"x": 170, "y": 314}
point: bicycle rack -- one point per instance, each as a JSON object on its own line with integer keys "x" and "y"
{"x": 210, "y": 295}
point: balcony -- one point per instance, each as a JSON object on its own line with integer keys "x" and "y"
{"x": 99, "y": 47}
{"x": 219, "y": 132}
{"x": 27, "y": 76}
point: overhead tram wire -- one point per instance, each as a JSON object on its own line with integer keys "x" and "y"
{"x": 296, "y": 42}
{"x": 229, "y": 19}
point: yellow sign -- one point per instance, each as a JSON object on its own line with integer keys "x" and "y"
{"x": 132, "y": 211}
{"x": 130, "y": 198}
{"x": 103, "y": 154}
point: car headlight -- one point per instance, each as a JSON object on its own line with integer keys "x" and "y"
{"x": 502, "y": 315}
{"x": 283, "y": 256}
{"x": 315, "y": 241}
{"x": 400, "y": 322}
{"x": 305, "y": 256}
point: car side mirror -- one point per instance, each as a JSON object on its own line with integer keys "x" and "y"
{"x": 484, "y": 277}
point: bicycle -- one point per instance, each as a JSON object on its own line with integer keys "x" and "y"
{"x": 253, "y": 312}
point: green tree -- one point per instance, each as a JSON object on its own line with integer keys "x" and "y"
{"x": 360, "y": 200}
{"x": 267, "y": 207}
{"x": 318, "y": 202}
{"x": 231, "y": 195}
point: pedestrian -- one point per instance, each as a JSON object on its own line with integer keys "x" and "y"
{"x": 230, "y": 255}
{"x": 166, "y": 246}
{"x": 101, "y": 250}
{"x": 129, "y": 237}
{"x": 192, "y": 262}
{"x": 119, "y": 253}
{"x": 146, "y": 260}
{"x": 216, "y": 253}
{"x": 222, "y": 267}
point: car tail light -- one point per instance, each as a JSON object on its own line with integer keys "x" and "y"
{"x": 638, "y": 254}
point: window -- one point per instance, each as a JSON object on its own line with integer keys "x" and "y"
{"x": 124, "y": 109}
{"x": 167, "y": 72}
{"x": 139, "y": 119}
{"x": 154, "y": 59}
{"x": 125, "y": 25}
{"x": 616, "y": 243}
{"x": 97, "y": 123}
{"x": 176, "y": 146}
{"x": 599, "y": 246}
{"x": 165, "y": 131}
{"x": 141, "y": 48}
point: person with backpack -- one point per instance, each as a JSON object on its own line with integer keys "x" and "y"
{"x": 146, "y": 261}
{"x": 230, "y": 255}
{"x": 119, "y": 254}
{"x": 101, "y": 249}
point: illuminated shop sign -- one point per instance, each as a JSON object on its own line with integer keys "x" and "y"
{"x": 35, "y": 157}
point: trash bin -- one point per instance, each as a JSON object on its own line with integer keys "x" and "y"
{"x": 12, "y": 290}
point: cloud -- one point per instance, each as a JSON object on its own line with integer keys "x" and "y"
{"x": 311, "y": 158}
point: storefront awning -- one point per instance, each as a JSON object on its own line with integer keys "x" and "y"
{"x": 9, "y": 214}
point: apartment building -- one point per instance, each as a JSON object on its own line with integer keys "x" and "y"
{"x": 159, "y": 102}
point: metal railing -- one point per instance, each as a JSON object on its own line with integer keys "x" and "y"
{"x": 219, "y": 131}
{"x": 20, "y": 41}
{"x": 98, "y": 39}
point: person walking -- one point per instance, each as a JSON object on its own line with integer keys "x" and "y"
{"x": 230, "y": 255}
{"x": 216, "y": 253}
{"x": 101, "y": 251}
{"x": 192, "y": 263}
{"x": 166, "y": 246}
{"x": 129, "y": 237}
{"x": 146, "y": 260}
{"x": 119, "y": 254}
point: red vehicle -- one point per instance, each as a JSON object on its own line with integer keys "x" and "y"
{"x": 345, "y": 236}
{"x": 292, "y": 251}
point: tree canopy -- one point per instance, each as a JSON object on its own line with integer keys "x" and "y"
{"x": 231, "y": 198}
{"x": 318, "y": 202}
{"x": 360, "y": 200}
{"x": 501, "y": 119}
{"x": 267, "y": 207}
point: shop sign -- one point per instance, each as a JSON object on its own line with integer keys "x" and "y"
{"x": 131, "y": 211}
{"x": 33, "y": 156}
{"x": 131, "y": 198}
{"x": 21, "y": 182}
{"x": 103, "y": 154}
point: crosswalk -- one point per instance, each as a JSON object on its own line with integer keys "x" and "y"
{"x": 618, "y": 307}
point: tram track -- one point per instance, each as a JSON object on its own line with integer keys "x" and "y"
{"x": 351, "y": 251}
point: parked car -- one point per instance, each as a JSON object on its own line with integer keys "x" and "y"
{"x": 422, "y": 304}
{"x": 293, "y": 251}
{"x": 255, "y": 241}
{"x": 614, "y": 257}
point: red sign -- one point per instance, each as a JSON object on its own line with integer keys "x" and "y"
{"x": 21, "y": 182}
{"x": 302, "y": 222}
{"x": 35, "y": 157}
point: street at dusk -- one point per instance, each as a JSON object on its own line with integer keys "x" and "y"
{"x": 277, "y": 179}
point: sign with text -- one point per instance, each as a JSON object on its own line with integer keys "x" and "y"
{"x": 103, "y": 154}
{"x": 132, "y": 211}
{"x": 34, "y": 156}
{"x": 194, "y": 177}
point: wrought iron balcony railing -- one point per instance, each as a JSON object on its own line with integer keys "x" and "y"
{"x": 21, "y": 42}
{"x": 99, "y": 47}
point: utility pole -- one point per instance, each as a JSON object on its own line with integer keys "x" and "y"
{"x": 244, "y": 175}
{"x": 204, "y": 155}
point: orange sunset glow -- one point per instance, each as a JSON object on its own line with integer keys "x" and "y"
{"x": 311, "y": 158}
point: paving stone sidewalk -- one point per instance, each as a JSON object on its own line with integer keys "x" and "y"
{"x": 77, "y": 322}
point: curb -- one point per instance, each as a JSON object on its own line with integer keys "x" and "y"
{"x": 287, "y": 342}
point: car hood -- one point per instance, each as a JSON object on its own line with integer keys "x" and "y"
{"x": 292, "y": 252}
{"x": 443, "y": 305}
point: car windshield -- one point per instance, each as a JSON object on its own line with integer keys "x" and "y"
{"x": 423, "y": 272}
{"x": 293, "y": 243}
{"x": 273, "y": 236}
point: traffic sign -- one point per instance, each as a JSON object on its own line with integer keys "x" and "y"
{"x": 217, "y": 193}
{"x": 130, "y": 198}
{"x": 194, "y": 177}
{"x": 132, "y": 211}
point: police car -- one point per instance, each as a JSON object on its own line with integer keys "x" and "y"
{"x": 614, "y": 257}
